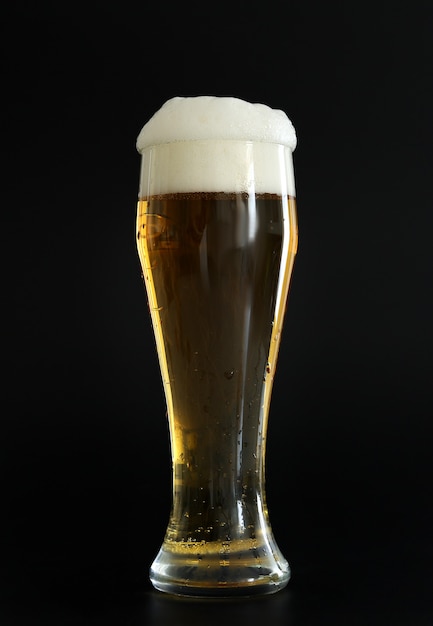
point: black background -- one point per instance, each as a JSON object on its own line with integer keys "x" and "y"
{"x": 85, "y": 453}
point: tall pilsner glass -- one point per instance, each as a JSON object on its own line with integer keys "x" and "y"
{"x": 217, "y": 237}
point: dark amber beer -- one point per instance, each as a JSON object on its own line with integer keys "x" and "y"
{"x": 217, "y": 237}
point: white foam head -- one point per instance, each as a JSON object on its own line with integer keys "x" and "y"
{"x": 211, "y": 117}
{"x": 218, "y": 144}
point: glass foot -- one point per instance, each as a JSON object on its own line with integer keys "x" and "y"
{"x": 219, "y": 569}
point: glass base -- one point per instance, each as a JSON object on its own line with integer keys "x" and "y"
{"x": 219, "y": 569}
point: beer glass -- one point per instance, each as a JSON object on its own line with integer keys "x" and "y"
{"x": 217, "y": 237}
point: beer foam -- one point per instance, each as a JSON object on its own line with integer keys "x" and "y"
{"x": 211, "y": 117}
{"x": 216, "y": 144}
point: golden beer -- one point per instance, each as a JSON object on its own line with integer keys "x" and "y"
{"x": 217, "y": 267}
